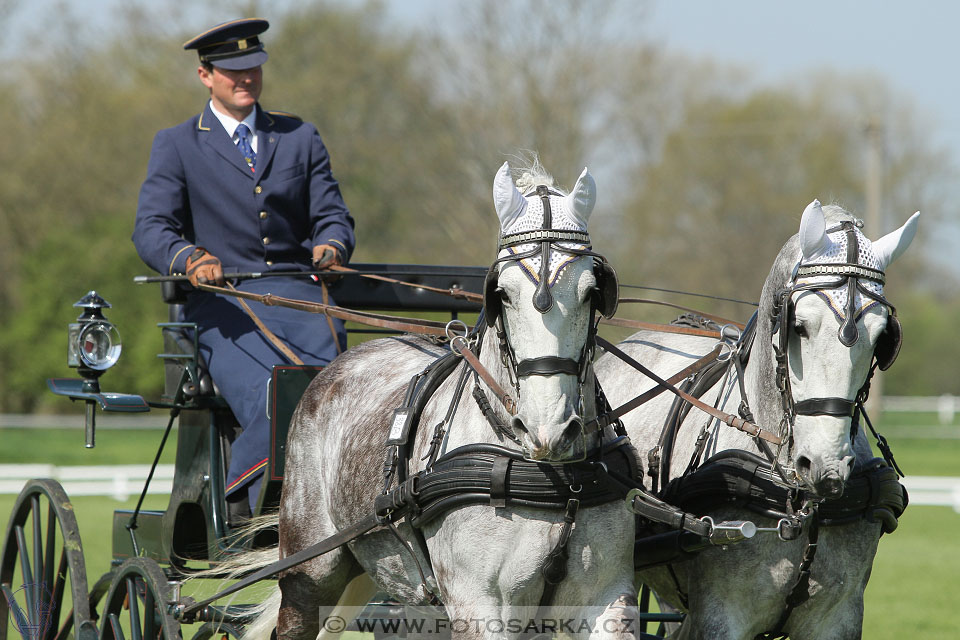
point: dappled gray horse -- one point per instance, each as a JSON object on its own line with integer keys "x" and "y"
{"x": 483, "y": 561}
{"x": 822, "y": 310}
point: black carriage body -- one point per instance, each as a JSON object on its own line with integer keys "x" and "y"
{"x": 195, "y": 524}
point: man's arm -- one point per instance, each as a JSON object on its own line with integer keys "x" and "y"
{"x": 162, "y": 210}
{"x": 330, "y": 221}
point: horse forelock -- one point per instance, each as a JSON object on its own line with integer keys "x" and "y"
{"x": 530, "y": 174}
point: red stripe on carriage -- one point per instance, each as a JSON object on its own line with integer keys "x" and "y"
{"x": 246, "y": 474}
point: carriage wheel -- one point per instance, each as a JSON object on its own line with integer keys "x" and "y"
{"x": 137, "y": 606}
{"x": 42, "y": 573}
{"x": 222, "y": 629}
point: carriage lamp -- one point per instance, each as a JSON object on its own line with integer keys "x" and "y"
{"x": 93, "y": 347}
{"x": 94, "y": 343}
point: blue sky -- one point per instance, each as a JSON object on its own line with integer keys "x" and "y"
{"x": 912, "y": 45}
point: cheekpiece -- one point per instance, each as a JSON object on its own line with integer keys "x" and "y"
{"x": 232, "y": 45}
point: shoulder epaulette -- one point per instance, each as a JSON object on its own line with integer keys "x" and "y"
{"x": 286, "y": 114}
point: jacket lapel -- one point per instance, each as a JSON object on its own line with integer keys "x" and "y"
{"x": 267, "y": 141}
{"x": 216, "y": 137}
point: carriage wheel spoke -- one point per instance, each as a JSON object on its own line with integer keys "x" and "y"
{"x": 149, "y": 617}
{"x": 64, "y": 632}
{"x": 114, "y": 623}
{"x": 21, "y": 619}
{"x": 136, "y": 631}
{"x": 56, "y": 597}
{"x": 27, "y": 575}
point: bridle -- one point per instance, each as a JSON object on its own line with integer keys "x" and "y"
{"x": 849, "y": 274}
{"x": 546, "y": 239}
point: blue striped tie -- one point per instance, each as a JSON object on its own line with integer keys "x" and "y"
{"x": 243, "y": 133}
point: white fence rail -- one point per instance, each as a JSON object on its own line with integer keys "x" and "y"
{"x": 123, "y": 481}
{"x": 945, "y": 406}
{"x": 939, "y": 491}
{"x": 120, "y": 482}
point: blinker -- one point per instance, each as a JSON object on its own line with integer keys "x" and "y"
{"x": 848, "y": 333}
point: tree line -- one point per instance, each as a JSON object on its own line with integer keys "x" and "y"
{"x": 702, "y": 175}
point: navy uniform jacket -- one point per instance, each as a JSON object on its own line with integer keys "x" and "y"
{"x": 199, "y": 191}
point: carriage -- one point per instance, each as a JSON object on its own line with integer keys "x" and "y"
{"x": 155, "y": 550}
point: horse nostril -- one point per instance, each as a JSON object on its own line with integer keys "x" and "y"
{"x": 520, "y": 430}
{"x": 803, "y": 466}
{"x": 573, "y": 429}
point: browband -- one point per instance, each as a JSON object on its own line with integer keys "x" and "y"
{"x": 543, "y": 235}
{"x": 833, "y": 269}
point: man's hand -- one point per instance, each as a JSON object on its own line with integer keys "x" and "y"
{"x": 325, "y": 256}
{"x": 204, "y": 268}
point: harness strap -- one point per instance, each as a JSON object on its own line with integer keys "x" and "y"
{"x": 662, "y": 328}
{"x": 439, "y": 430}
{"x": 396, "y": 323}
{"x": 453, "y": 292}
{"x": 487, "y": 410}
{"x": 720, "y": 320}
{"x": 277, "y": 342}
{"x": 554, "y": 569}
{"x": 474, "y": 363}
{"x": 611, "y": 417}
{"x": 324, "y": 546}
{"x": 727, "y": 418}
{"x": 325, "y": 298}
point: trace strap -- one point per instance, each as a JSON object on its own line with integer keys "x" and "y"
{"x": 309, "y": 553}
{"x": 722, "y": 416}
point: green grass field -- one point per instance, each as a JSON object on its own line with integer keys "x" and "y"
{"x": 912, "y": 592}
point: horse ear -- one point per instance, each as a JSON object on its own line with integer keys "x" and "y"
{"x": 507, "y": 199}
{"x": 813, "y": 230}
{"x": 581, "y": 200}
{"x": 891, "y": 246}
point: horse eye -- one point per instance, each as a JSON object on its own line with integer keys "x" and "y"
{"x": 503, "y": 296}
{"x": 800, "y": 330}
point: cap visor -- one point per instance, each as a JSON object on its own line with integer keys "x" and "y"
{"x": 238, "y": 63}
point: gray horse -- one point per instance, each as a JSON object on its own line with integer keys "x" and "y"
{"x": 833, "y": 334}
{"x": 484, "y": 562}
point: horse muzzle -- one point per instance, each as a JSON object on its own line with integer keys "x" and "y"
{"x": 551, "y": 443}
{"x": 828, "y": 478}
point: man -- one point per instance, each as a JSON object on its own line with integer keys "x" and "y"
{"x": 238, "y": 189}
